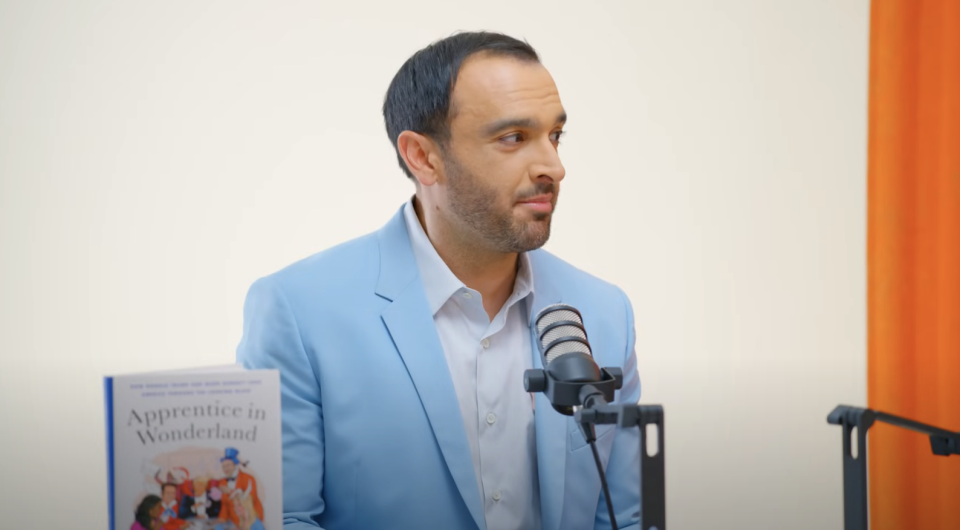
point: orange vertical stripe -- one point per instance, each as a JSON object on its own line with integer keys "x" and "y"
{"x": 914, "y": 258}
{"x": 948, "y": 310}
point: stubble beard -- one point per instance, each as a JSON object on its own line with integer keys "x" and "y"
{"x": 477, "y": 207}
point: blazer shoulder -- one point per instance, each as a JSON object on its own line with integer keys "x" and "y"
{"x": 351, "y": 262}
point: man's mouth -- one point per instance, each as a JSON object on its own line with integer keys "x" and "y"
{"x": 539, "y": 203}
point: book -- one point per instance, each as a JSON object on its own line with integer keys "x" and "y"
{"x": 194, "y": 450}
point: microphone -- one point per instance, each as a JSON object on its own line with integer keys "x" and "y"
{"x": 572, "y": 380}
{"x": 568, "y": 365}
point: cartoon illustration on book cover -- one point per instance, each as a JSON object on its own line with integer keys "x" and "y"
{"x": 201, "y": 489}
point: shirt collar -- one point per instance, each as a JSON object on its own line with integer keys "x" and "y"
{"x": 443, "y": 283}
{"x": 523, "y": 285}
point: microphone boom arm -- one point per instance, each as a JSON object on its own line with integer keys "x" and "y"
{"x": 942, "y": 442}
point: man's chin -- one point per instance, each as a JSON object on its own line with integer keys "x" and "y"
{"x": 537, "y": 236}
{"x": 542, "y": 216}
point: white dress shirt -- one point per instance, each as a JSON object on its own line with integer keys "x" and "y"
{"x": 486, "y": 359}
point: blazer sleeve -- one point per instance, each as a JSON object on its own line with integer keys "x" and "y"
{"x": 623, "y": 466}
{"x": 272, "y": 339}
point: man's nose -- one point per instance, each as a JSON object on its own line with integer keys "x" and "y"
{"x": 548, "y": 164}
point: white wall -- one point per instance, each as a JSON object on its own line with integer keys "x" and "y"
{"x": 156, "y": 158}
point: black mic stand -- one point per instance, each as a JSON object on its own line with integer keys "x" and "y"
{"x": 942, "y": 442}
{"x": 596, "y": 410}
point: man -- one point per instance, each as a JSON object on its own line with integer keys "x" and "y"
{"x": 201, "y": 502}
{"x": 170, "y": 516}
{"x": 236, "y": 484}
{"x": 402, "y": 353}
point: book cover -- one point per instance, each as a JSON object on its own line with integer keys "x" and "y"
{"x": 194, "y": 450}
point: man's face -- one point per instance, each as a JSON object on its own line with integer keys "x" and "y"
{"x": 228, "y": 467}
{"x": 501, "y": 168}
{"x": 169, "y": 494}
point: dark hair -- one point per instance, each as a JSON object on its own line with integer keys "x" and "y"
{"x": 418, "y": 99}
{"x": 143, "y": 510}
{"x": 165, "y": 485}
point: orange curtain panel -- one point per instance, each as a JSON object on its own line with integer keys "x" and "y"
{"x": 914, "y": 258}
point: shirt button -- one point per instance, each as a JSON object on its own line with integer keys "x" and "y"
{"x": 485, "y": 343}
{"x": 496, "y": 495}
{"x": 491, "y": 418}
{"x": 467, "y": 295}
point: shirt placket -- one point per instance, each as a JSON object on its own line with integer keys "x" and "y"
{"x": 491, "y": 429}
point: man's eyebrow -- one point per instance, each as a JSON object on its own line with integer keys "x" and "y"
{"x": 509, "y": 123}
{"x": 520, "y": 123}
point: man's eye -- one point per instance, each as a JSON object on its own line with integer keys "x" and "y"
{"x": 555, "y": 137}
{"x": 512, "y": 138}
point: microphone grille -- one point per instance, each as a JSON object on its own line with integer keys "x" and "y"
{"x": 560, "y": 332}
{"x": 548, "y": 316}
{"x": 564, "y": 348}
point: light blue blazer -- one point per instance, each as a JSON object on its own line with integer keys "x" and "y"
{"x": 372, "y": 432}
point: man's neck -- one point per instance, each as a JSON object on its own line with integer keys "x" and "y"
{"x": 490, "y": 273}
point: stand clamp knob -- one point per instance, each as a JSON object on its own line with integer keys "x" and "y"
{"x": 534, "y": 380}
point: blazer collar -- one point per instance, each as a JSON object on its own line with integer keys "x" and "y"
{"x": 410, "y": 322}
{"x": 398, "y": 266}
{"x": 551, "y": 426}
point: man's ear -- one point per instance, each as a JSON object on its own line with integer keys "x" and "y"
{"x": 421, "y": 155}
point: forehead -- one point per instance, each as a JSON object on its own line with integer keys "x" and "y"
{"x": 491, "y": 87}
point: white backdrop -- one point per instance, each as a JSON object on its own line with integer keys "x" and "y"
{"x": 156, "y": 158}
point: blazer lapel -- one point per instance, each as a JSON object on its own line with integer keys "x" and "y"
{"x": 410, "y": 322}
{"x": 551, "y": 425}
